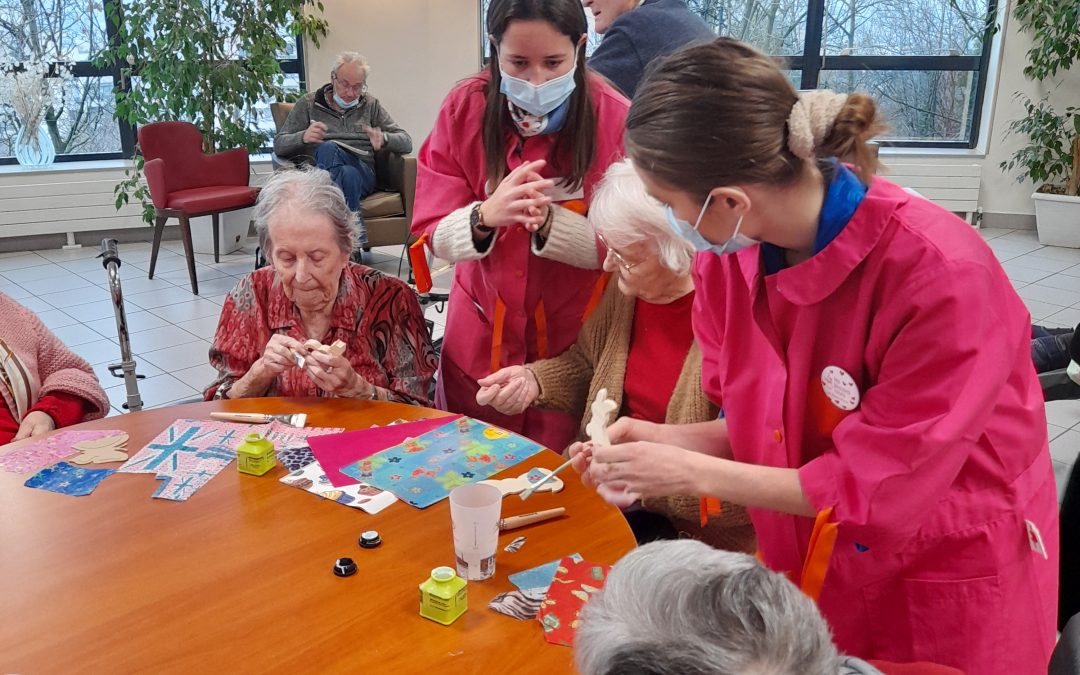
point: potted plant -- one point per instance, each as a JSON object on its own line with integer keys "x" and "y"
{"x": 213, "y": 63}
{"x": 1051, "y": 158}
{"x": 30, "y": 91}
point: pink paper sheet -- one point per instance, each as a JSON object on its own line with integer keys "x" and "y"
{"x": 337, "y": 450}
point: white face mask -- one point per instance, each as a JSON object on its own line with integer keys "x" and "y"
{"x": 538, "y": 99}
{"x": 690, "y": 233}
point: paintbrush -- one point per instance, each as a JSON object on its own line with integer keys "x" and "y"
{"x": 528, "y": 493}
{"x": 297, "y": 420}
{"x": 512, "y": 522}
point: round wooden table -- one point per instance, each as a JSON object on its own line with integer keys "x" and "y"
{"x": 239, "y": 577}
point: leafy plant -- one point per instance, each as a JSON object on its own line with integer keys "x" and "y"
{"x": 1052, "y": 155}
{"x": 208, "y": 62}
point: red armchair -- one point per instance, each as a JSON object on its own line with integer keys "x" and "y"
{"x": 185, "y": 183}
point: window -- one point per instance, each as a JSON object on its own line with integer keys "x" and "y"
{"x": 925, "y": 61}
{"x": 74, "y": 31}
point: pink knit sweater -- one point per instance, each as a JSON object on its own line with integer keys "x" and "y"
{"x": 50, "y": 366}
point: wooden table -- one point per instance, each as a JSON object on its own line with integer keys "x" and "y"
{"x": 239, "y": 577}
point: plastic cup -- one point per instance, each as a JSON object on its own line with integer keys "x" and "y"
{"x": 474, "y": 516}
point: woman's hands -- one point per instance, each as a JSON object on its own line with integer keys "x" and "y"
{"x": 335, "y": 375}
{"x": 510, "y": 390}
{"x": 519, "y": 199}
{"x": 278, "y": 355}
{"x": 34, "y": 424}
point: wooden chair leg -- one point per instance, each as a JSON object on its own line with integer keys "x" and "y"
{"x": 159, "y": 228}
{"x": 216, "y": 221}
{"x": 189, "y": 253}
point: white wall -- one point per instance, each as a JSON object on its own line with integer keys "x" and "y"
{"x": 417, "y": 50}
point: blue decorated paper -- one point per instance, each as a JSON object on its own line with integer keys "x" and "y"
{"x": 68, "y": 479}
{"x": 422, "y": 470}
{"x": 539, "y": 577}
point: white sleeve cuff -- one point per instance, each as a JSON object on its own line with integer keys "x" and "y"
{"x": 571, "y": 240}
{"x": 453, "y": 238}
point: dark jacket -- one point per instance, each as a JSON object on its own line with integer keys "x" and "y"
{"x": 345, "y": 127}
{"x": 633, "y": 40}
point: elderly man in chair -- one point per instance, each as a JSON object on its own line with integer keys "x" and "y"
{"x": 339, "y": 128}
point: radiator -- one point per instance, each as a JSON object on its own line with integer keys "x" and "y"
{"x": 951, "y": 186}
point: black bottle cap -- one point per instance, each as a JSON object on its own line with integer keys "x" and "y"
{"x": 344, "y": 567}
{"x": 370, "y": 539}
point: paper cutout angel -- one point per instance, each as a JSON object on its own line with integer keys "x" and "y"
{"x": 602, "y": 408}
{"x": 101, "y": 450}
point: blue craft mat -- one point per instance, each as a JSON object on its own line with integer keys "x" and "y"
{"x": 67, "y": 479}
{"x": 539, "y": 577}
{"x": 423, "y": 470}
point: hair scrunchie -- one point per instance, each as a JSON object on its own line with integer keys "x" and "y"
{"x": 811, "y": 119}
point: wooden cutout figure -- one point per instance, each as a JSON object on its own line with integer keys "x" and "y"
{"x": 513, "y": 486}
{"x": 602, "y": 408}
{"x": 101, "y": 450}
{"x": 312, "y": 345}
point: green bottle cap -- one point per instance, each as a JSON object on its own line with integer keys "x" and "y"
{"x": 443, "y": 574}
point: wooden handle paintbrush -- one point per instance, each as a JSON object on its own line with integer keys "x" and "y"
{"x": 524, "y": 519}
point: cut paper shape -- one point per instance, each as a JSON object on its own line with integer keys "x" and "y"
{"x": 285, "y": 437}
{"x": 515, "y": 546}
{"x": 102, "y": 450}
{"x": 188, "y": 454}
{"x": 295, "y": 458}
{"x": 66, "y": 479}
{"x": 37, "y": 455}
{"x": 520, "y": 605}
{"x": 337, "y": 450}
{"x": 602, "y": 408}
{"x": 539, "y": 577}
{"x": 422, "y": 470}
{"x": 575, "y": 582}
{"x": 358, "y": 496}
{"x": 513, "y": 486}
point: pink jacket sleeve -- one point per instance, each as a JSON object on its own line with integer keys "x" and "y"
{"x": 937, "y": 386}
{"x": 442, "y": 184}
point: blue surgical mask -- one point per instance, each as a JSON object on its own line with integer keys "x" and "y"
{"x": 690, "y": 233}
{"x": 538, "y": 99}
{"x": 346, "y": 105}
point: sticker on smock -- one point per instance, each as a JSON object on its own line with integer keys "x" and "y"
{"x": 840, "y": 388}
{"x": 1035, "y": 540}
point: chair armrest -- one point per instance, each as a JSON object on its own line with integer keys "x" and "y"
{"x": 231, "y": 167}
{"x": 408, "y": 191}
{"x": 154, "y": 171}
{"x": 389, "y": 171}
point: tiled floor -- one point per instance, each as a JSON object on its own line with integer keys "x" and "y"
{"x": 171, "y": 329}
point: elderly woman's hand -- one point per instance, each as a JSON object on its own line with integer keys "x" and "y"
{"x": 510, "y": 390}
{"x": 647, "y": 469}
{"x": 278, "y": 355}
{"x": 335, "y": 375}
{"x": 519, "y": 199}
{"x": 34, "y": 424}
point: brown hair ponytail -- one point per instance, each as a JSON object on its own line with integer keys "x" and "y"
{"x": 717, "y": 114}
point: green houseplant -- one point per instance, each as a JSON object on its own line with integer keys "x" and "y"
{"x": 1051, "y": 157}
{"x": 211, "y": 62}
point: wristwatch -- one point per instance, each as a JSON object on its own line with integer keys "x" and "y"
{"x": 476, "y": 221}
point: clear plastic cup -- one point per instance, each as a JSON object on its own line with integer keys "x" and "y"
{"x": 474, "y": 516}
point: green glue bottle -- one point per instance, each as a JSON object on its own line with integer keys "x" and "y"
{"x": 444, "y": 596}
{"x": 255, "y": 455}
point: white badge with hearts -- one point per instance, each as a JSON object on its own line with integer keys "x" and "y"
{"x": 840, "y": 387}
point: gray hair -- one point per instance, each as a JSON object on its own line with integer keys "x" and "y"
{"x": 308, "y": 190}
{"x": 683, "y": 607}
{"x": 351, "y": 57}
{"x": 624, "y": 214}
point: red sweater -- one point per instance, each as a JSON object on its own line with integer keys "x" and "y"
{"x": 659, "y": 341}
{"x": 64, "y": 409}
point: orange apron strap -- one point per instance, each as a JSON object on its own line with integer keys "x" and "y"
{"x": 497, "y": 334}
{"x": 819, "y": 554}
{"x": 541, "y": 330}
{"x": 596, "y": 297}
{"x": 710, "y": 508}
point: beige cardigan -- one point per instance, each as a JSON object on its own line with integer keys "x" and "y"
{"x": 597, "y": 360}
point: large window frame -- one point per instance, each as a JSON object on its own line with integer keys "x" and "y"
{"x": 128, "y": 133}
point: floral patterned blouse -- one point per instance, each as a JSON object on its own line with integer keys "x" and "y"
{"x": 376, "y": 315}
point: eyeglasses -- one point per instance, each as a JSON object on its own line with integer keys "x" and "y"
{"x": 345, "y": 86}
{"x": 623, "y": 262}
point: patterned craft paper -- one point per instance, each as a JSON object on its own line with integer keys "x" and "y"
{"x": 539, "y": 578}
{"x": 188, "y": 454}
{"x": 520, "y": 605}
{"x": 359, "y": 496}
{"x": 68, "y": 480}
{"x": 574, "y": 583}
{"x": 40, "y": 454}
{"x": 295, "y": 458}
{"x": 285, "y": 437}
{"x": 422, "y": 470}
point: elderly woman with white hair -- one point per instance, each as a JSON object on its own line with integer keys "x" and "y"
{"x": 681, "y": 608}
{"x": 310, "y": 291}
{"x": 639, "y": 345}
